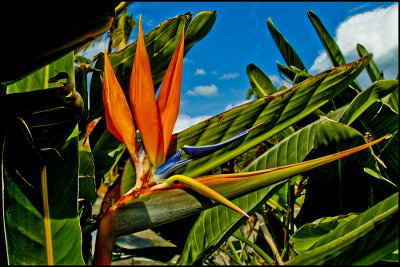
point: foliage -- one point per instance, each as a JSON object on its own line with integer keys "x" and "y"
{"x": 57, "y": 156}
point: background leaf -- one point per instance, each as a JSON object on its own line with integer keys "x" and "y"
{"x": 363, "y": 240}
{"x": 41, "y": 133}
{"x": 260, "y": 83}
{"x": 288, "y": 53}
{"x": 283, "y": 108}
{"x": 370, "y": 95}
{"x": 372, "y": 70}
{"x": 331, "y": 47}
{"x": 210, "y": 230}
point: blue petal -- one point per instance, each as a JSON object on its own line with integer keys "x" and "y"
{"x": 194, "y": 152}
{"x": 201, "y": 151}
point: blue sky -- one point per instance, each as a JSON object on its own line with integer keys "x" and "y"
{"x": 214, "y": 75}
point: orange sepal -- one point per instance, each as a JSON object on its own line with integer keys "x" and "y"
{"x": 168, "y": 100}
{"x": 144, "y": 105}
{"x": 118, "y": 116}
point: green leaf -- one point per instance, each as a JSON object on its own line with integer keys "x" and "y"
{"x": 51, "y": 114}
{"x": 283, "y": 108}
{"x": 106, "y": 153}
{"x": 366, "y": 98}
{"x": 40, "y": 164}
{"x": 198, "y": 28}
{"x": 331, "y": 47}
{"x": 40, "y": 79}
{"x": 128, "y": 180}
{"x": 294, "y": 74}
{"x": 40, "y": 202}
{"x": 390, "y": 156}
{"x": 215, "y": 225}
{"x": 334, "y": 194}
{"x": 393, "y": 100}
{"x": 364, "y": 240}
{"x": 260, "y": 83}
{"x": 209, "y": 232}
{"x": 379, "y": 119}
{"x": 310, "y": 233}
{"x": 372, "y": 70}
{"x": 287, "y": 51}
{"x": 87, "y": 183}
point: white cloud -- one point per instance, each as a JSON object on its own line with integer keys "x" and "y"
{"x": 230, "y": 106}
{"x": 204, "y": 90}
{"x": 187, "y": 60}
{"x": 214, "y": 72}
{"x": 185, "y": 121}
{"x": 377, "y": 31}
{"x": 200, "y": 72}
{"x": 229, "y": 76}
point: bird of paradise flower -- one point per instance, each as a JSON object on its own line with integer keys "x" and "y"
{"x": 155, "y": 121}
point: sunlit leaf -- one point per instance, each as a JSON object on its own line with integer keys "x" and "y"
{"x": 287, "y": 51}
{"x": 260, "y": 83}
{"x": 331, "y": 47}
{"x": 209, "y": 232}
{"x": 283, "y": 108}
{"x": 372, "y": 70}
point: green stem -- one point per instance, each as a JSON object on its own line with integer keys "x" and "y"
{"x": 234, "y": 256}
{"x": 256, "y": 248}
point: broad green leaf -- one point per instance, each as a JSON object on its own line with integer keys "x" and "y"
{"x": 334, "y": 194}
{"x": 106, "y": 153}
{"x": 393, "y": 100}
{"x": 283, "y": 109}
{"x": 40, "y": 79}
{"x": 260, "y": 83}
{"x": 198, "y": 28}
{"x": 380, "y": 177}
{"x": 287, "y": 51}
{"x": 87, "y": 183}
{"x": 81, "y": 73}
{"x": 309, "y": 234}
{"x": 379, "y": 119}
{"x": 51, "y": 114}
{"x": 128, "y": 180}
{"x": 214, "y": 226}
{"x": 331, "y": 47}
{"x": 372, "y": 70}
{"x": 390, "y": 156}
{"x": 374, "y": 93}
{"x": 209, "y": 232}
{"x": 294, "y": 74}
{"x": 160, "y": 43}
{"x": 40, "y": 208}
{"x": 50, "y": 32}
{"x": 40, "y": 164}
{"x": 364, "y": 240}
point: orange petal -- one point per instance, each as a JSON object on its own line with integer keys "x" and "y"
{"x": 118, "y": 115}
{"x": 144, "y": 105}
{"x": 169, "y": 96}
